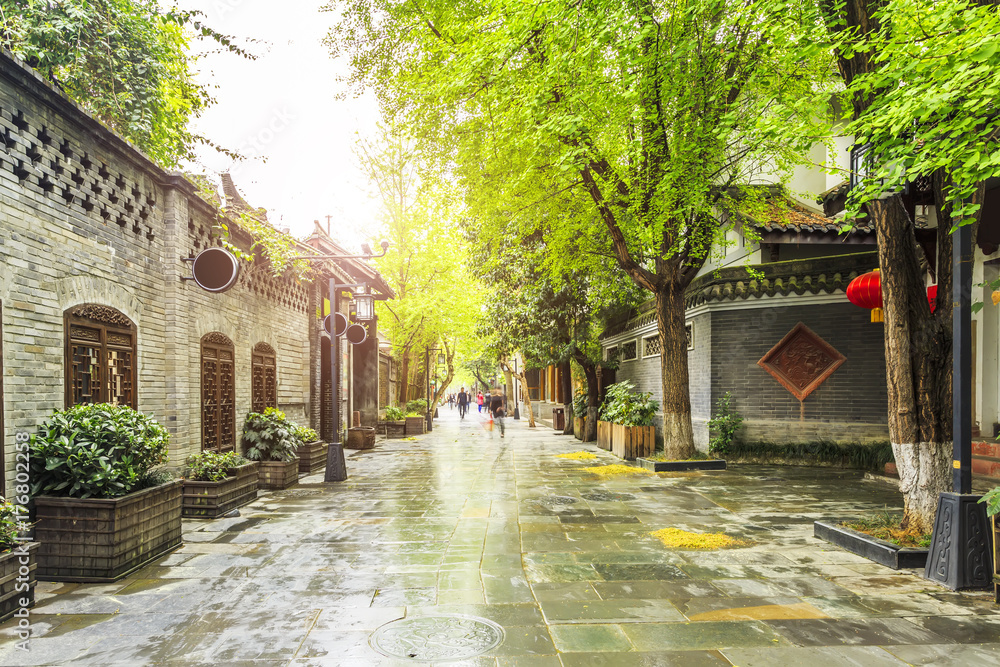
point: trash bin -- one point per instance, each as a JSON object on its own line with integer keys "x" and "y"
{"x": 559, "y": 419}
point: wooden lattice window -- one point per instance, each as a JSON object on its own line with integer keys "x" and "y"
{"x": 218, "y": 393}
{"x": 629, "y": 350}
{"x": 265, "y": 378}
{"x": 100, "y": 356}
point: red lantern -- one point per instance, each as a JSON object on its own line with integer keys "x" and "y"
{"x": 932, "y": 297}
{"x": 866, "y": 291}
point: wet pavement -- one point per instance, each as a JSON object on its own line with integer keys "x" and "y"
{"x": 487, "y": 551}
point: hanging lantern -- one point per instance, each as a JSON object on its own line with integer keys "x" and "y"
{"x": 866, "y": 291}
{"x": 932, "y": 297}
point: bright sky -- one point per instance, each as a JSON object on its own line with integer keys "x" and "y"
{"x": 282, "y": 108}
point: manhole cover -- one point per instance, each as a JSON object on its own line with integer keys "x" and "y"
{"x": 490, "y": 495}
{"x": 437, "y": 638}
{"x": 607, "y": 496}
{"x": 556, "y": 500}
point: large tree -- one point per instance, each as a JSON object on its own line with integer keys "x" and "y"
{"x": 128, "y": 62}
{"x": 922, "y": 85}
{"x": 659, "y": 108}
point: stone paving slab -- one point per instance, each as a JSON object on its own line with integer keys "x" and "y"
{"x": 460, "y": 524}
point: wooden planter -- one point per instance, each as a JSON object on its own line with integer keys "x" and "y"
{"x": 630, "y": 442}
{"x": 360, "y": 438}
{"x": 277, "y": 475}
{"x": 312, "y": 456}
{"x": 210, "y": 500}
{"x": 12, "y": 580}
{"x": 416, "y": 426}
{"x": 604, "y": 435}
{"x": 393, "y": 429}
{"x": 104, "y": 539}
{"x": 578, "y": 425}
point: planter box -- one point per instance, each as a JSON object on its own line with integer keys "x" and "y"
{"x": 579, "y": 423}
{"x": 682, "y": 466}
{"x": 210, "y": 500}
{"x": 10, "y": 565}
{"x": 872, "y": 548}
{"x": 630, "y": 442}
{"x": 416, "y": 426}
{"x": 360, "y": 438}
{"x": 104, "y": 539}
{"x": 277, "y": 475}
{"x": 312, "y": 456}
{"x": 604, "y": 435}
{"x": 393, "y": 429}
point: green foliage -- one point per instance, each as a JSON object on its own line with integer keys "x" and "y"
{"x": 725, "y": 423}
{"x": 580, "y": 402}
{"x": 623, "y": 405}
{"x": 306, "y": 435}
{"x": 886, "y": 525}
{"x": 97, "y": 450}
{"x": 269, "y": 436}
{"x": 992, "y": 500}
{"x": 864, "y": 456}
{"x": 9, "y": 530}
{"x": 125, "y": 61}
{"x": 212, "y": 466}
{"x": 394, "y": 414}
{"x": 417, "y": 406}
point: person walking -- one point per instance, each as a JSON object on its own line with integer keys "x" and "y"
{"x": 479, "y": 401}
{"x": 451, "y": 401}
{"x": 463, "y": 403}
{"x": 498, "y": 410}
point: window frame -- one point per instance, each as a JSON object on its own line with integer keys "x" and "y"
{"x": 107, "y": 321}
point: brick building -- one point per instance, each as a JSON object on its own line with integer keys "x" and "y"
{"x": 93, "y": 307}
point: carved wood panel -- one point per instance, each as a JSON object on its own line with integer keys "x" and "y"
{"x": 801, "y": 361}
{"x": 218, "y": 393}
{"x": 100, "y": 357}
{"x": 264, "y": 382}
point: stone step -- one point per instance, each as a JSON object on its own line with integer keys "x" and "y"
{"x": 988, "y": 466}
{"x": 991, "y": 449}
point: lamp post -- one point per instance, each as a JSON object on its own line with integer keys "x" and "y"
{"x": 427, "y": 373}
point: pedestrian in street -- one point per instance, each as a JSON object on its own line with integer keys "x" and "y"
{"x": 451, "y": 401}
{"x": 463, "y": 403}
{"x": 498, "y": 410}
{"x": 479, "y": 401}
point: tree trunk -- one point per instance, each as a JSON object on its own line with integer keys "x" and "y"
{"x": 678, "y": 433}
{"x": 509, "y": 383}
{"x": 593, "y": 395}
{"x": 402, "y": 391}
{"x": 918, "y": 363}
{"x": 524, "y": 384}
{"x": 566, "y": 379}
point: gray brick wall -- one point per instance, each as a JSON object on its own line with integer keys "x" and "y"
{"x": 84, "y": 218}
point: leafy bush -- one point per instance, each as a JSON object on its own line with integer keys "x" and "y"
{"x": 417, "y": 407}
{"x": 306, "y": 435}
{"x": 394, "y": 414}
{"x": 212, "y": 466}
{"x": 8, "y": 526}
{"x": 95, "y": 451}
{"x": 580, "y": 402}
{"x": 872, "y": 456}
{"x": 269, "y": 436}
{"x": 623, "y": 405}
{"x": 724, "y": 424}
{"x": 992, "y": 500}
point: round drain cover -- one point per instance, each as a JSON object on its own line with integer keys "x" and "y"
{"x": 556, "y": 500}
{"x": 607, "y": 496}
{"x": 437, "y": 638}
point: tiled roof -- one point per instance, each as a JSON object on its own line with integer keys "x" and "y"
{"x": 825, "y": 275}
{"x": 786, "y": 215}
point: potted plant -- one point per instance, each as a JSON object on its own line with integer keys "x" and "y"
{"x": 724, "y": 425}
{"x": 17, "y": 588}
{"x": 102, "y": 508}
{"x": 311, "y": 450}
{"x": 631, "y": 416}
{"x": 416, "y": 420}
{"x": 580, "y": 413}
{"x": 216, "y": 483}
{"x": 269, "y": 438}
{"x": 394, "y": 422}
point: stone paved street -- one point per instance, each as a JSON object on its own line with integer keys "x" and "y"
{"x": 460, "y": 524}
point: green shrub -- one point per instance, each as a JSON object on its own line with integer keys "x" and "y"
{"x": 580, "y": 402}
{"x": 306, "y": 435}
{"x": 724, "y": 424}
{"x": 212, "y": 466}
{"x": 8, "y": 526}
{"x": 269, "y": 436}
{"x": 872, "y": 456}
{"x": 95, "y": 451}
{"x": 992, "y": 500}
{"x": 394, "y": 414}
{"x": 417, "y": 406}
{"x": 623, "y": 405}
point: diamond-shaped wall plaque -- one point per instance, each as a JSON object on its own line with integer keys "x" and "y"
{"x": 801, "y": 361}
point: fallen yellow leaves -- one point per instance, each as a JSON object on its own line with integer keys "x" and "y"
{"x": 615, "y": 470}
{"x": 577, "y": 456}
{"x": 682, "y": 539}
